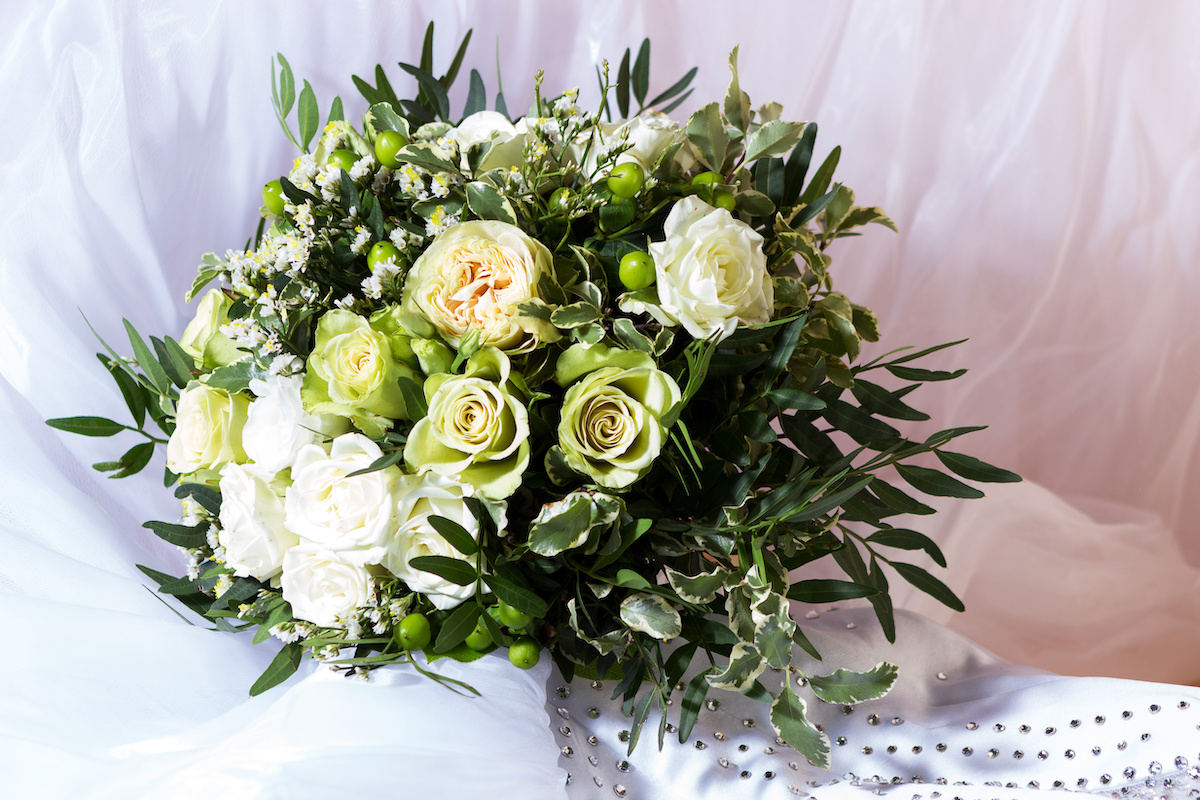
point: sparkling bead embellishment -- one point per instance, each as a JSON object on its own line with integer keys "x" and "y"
{"x": 768, "y": 775}
{"x": 593, "y": 741}
{"x": 744, "y": 774}
{"x": 567, "y": 751}
{"x": 564, "y": 730}
{"x": 1184, "y": 705}
{"x": 724, "y": 762}
{"x": 971, "y": 726}
{"x": 743, "y": 747}
{"x": 1126, "y": 714}
{"x": 562, "y": 712}
{"x": 563, "y": 691}
{"x": 941, "y": 748}
{"x": 595, "y": 762}
{"x": 1024, "y": 729}
{"x": 1121, "y": 745}
{"x": 1129, "y": 773}
{"x": 712, "y": 705}
{"x": 998, "y": 728}
{"x": 941, "y": 676}
{"x": 841, "y": 740}
{"x": 1018, "y": 754}
{"x": 1154, "y": 709}
{"x": 699, "y": 745}
{"x": 966, "y": 751}
{"x": 917, "y": 749}
{"x": 1069, "y": 754}
{"x": 1099, "y": 720}
{"x": 873, "y": 719}
{"x": 1155, "y": 768}
{"x": 867, "y": 750}
{"x": 1051, "y": 731}
{"x": 720, "y": 737}
{"x": 811, "y": 615}
{"x": 748, "y": 723}
{"x": 1096, "y": 750}
{"x": 623, "y": 736}
{"x": 597, "y": 685}
{"x": 1106, "y": 779}
{"x": 1076, "y": 723}
{"x": 897, "y": 721}
{"x": 593, "y": 712}
{"x": 619, "y": 790}
{"x": 1043, "y": 755}
{"x": 598, "y": 781}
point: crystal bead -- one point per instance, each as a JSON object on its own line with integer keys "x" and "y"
{"x": 941, "y": 747}
{"x": 1145, "y": 737}
{"x": 867, "y": 750}
{"x": 966, "y": 751}
{"x": 1043, "y": 755}
{"x": 623, "y": 766}
{"x": 595, "y": 762}
{"x": 917, "y": 749}
{"x": 812, "y": 614}
{"x": 897, "y": 721}
{"x": 1126, "y": 714}
{"x": 891, "y": 748}
{"x": 793, "y": 765}
{"x": 1155, "y": 768}
{"x": 748, "y": 723}
{"x": 1018, "y": 754}
{"x": 699, "y": 745}
{"x": 1069, "y": 754}
{"x": 564, "y": 730}
{"x": 623, "y": 736}
{"x": 1081, "y": 783}
{"x": 1051, "y": 731}
{"x": 593, "y": 712}
{"x": 770, "y": 751}
{"x": 1075, "y": 723}
{"x": 768, "y": 775}
{"x": 998, "y": 728}
{"x": 567, "y": 751}
{"x": 619, "y": 790}
{"x": 971, "y": 726}
{"x": 941, "y": 676}
{"x": 850, "y": 626}
{"x": 873, "y": 719}
{"x": 847, "y": 710}
{"x": 1154, "y": 709}
{"x": 1096, "y": 750}
{"x": 744, "y": 774}
{"x": 1121, "y": 745}
{"x": 563, "y": 691}
{"x": 724, "y": 762}
{"x": 1024, "y": 729}
{"x": 1100, "y": 720}
{"x": 841, "y": 740}
{"x": 1129, "y": 773}
{"x": 597, "y": 685}
{"x": 1106, "y": 779}
{"x": 564, "y": 713}
{"x": 743, "y": 747}
{"x": 593, "y": 741}
{"x": 1184, "y": 705}
{"x": 1181, "y": 762}
{"x": 720, "y": 737}
{"x": 712, "y": 705}
{"x": 598, "y": 781}
{"x": 993, "y": 753}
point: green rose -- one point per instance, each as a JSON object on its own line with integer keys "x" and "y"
{"x": 202, "y": 338}
{"x": 353, "y": 372}
{"x": 611, "y": 428}
{"x": 477, "y": 428}
{"x": 208, "y": 429}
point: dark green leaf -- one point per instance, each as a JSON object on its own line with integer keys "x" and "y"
{"x": 878, "y": 400}
{"x": 180, "y": 535}
{"x": 281, "y": 668}
{"x": 336, "y": 112}
{"x": 905, "y": 539}
{"x": 308, "y": 116}
{"x": 814, "y": 208}
{"x": 414, "y": 399}
{"x": 785, "y": 345}
{"x": 452, "y": 569}
{"x": 668, "y": 109}
{"x": 769, "y": 178}
{"x": 828, "y": 591}
{"x": 623, "y": 86}
{"x": 206, "y": 496}
{"x": 813, "y": 443}
{"x": 823, "y": 177}
{"x": 856, "y": 422}
{"x": 754, "y": 424}
{"x": 87, "y": 426}
{"x": 975, "y": 470}
{"x": 476, "y": 95}
{"x": 795, "y": 399}
{"x": 797, "y": 164}
{"x": 882, "y": 602}
{"x": 134, "y": 460}
{"x": 517, "y": 594}
{"x": 486, "y": 202}
{"x": 432, "y": 88}
{"x": 287, "y": 86}
{"x": 692, "y": 702}
{"x": 772, "y": 139}
{"x": 897, "y": 500}
{"x": 146, "y": 360}
{"x": 457, "y": 627}
{"x": 914, "y": 374}
{"x": 455, "y": 534}
{"x": 675, "y": 89}
{"x": 829, "y": 501}
{"x": 933, "y": 482}
{"x": 928, "y": 584}
{"x": 640, "y": 76}
{"x": 448, "y": 79}
{"x": 177, "y": 364}
{"x": 132, "y": 392}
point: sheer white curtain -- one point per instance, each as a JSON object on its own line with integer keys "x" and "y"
{"x": 1042, "y": 162}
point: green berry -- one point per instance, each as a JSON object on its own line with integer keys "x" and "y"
{"x": 513, "y": 618}
{"x": 524, "y": 653}
{"x": 273, "y": 199}
{"x": 636, "y": 270}
{"x": 479, "y": 639}
{"x": 706, "y": 179}
{"x": 387, "y": 145}
{"x": 724, "y": 200}
{"x": 343, "y": 158}
{"x": 626, "y": 179}
{"x": 380, "y": 252}
{"x": 414, "y": 632}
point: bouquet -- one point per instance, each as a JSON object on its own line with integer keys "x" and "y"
{"x": 578, "y": 382}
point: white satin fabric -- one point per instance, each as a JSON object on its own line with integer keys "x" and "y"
{"x": 1040, "y": 159}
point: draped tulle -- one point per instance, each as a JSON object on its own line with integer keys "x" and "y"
{"x": 1041, "y": 160}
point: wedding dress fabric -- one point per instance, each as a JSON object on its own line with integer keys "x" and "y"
{"x": 1043, "y": 164}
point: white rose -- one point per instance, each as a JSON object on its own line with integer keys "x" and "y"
{"x": 252, "y": 526}
{"x": 508, "y": 141}
{"x": 648, "y": 136}
{"x": 322, "y": 587}
{"x": 711, "y": 272}
{"x": 277, "y": 426}
{"x": 354, "y": 517}
{"x": 422, "y": 497}
{"x": 208, "y": 429}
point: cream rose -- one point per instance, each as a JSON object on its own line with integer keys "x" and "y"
{"x": 648, "y": 136}
{"x": 277, "y": 426}
{"x": 611, "y": 427}
{"x": 711, "y": 272}
{"x": 202, "y": 338}
{"x": 422, "y": 497}
{"x": 252, "y": 523}
{"x": 354, "y": 517}
{"x": 477, "y": 428}
{"x": 208, "y": 429}
{"x": 322, "y": 587}
{"x": 353, "y": 372}
{"x": 474, "y": 276}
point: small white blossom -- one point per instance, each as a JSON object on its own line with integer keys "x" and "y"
{"x": 362, "y": 168}
{"x": 362, "y": 239}
{"x": 211, "y": 536}
{"x": 193, "y": 512}
{"x": 412, "y": 181}
{"x": 329, "y": 179}
{"x": 440, "y": 221}
{"x": 244, "y": 332}
{"x": 346, "y": 302}
{"x": 335, "y": 134}
{"x": 224, "y": 584}
{"x": 440, "y": 185}
{"x": 399, "y": 237}
{"x": 285, "y": 632}
{"x": 286, "y": 365}
{"x": 382, "y": 178}
{"x": 302, "y": 215}
{"x": 193, "y": 566}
